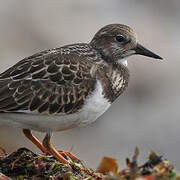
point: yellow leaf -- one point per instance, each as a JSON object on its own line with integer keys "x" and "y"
{"x": 108, "y": 165}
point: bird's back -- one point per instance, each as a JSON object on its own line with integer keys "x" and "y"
{"x": 63, "y": 87}
{"x": 53, "y": 81}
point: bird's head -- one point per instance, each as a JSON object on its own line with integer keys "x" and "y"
{"x": 116, "y": 42}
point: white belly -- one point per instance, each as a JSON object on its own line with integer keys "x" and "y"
{"x": 95, "y": 105}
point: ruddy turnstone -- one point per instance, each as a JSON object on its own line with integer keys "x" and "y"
{"x": 67, "y": 87}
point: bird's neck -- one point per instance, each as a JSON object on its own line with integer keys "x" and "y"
{"x": 114, "y": 78}
{"x": 123, "y": 62}
{"x": 106, "y": 55}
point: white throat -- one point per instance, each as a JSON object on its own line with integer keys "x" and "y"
{"x": 125, "y": 55}
{"x": 123, "y": 62}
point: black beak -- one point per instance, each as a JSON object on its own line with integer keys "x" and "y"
{"x": 145, "y": 52}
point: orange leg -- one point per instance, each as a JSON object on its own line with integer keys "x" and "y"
{"x": 46, "y": 147}
{"x": 34, "y": 140}
{"x": 74, "y": 158}
{"x": 52, "y": 150}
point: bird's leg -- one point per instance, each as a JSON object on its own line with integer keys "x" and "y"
{"x": 68, "y": 153}
{"x": 34, "y": 140}
{"x": 43, "y": 148}
{"x": 52, "y": 150}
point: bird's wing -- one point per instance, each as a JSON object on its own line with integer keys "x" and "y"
{"x": 47, "y": 82}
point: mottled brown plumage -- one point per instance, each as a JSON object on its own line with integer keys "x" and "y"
{"x": 70, "y": 86}
{"x": 49, "y": 82}
{"x": 58, "y": 81}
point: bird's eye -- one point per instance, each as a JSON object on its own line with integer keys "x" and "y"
{"x": 120, "y": 38}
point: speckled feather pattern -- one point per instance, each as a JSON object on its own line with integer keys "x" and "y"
{"x": 76, "y": 82}
{"x": 54, "y": 81}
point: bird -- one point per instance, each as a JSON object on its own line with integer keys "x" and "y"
{"x": 69, "y": 86}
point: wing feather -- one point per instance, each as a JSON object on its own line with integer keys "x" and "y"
{"x": 48, "y": 82}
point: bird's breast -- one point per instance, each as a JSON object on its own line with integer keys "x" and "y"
{"x": 119, "y": 82}
{"x": 94, "y": 106}
{"x": 114, "y": 79}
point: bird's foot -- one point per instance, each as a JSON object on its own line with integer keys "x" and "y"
{"x": 69, "y": 154}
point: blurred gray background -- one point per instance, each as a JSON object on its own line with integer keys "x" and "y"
{"x": 147, "y": 115}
